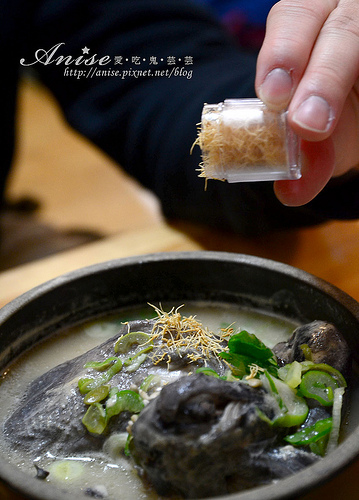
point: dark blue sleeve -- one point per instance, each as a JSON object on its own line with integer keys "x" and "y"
{"x": 148, "y": 124}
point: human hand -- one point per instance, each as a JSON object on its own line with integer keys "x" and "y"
{"x": 309, "y": 62}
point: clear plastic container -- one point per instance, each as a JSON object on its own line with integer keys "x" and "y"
{"x": 242, "y": 140}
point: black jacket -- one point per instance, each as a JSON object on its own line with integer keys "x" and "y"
{"x": 147, "y": 121}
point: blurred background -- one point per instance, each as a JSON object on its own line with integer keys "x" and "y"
{"x": 63, "y": 191}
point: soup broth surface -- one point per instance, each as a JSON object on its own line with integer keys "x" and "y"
{"x": 113, "y": 478}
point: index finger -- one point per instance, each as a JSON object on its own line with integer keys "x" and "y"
{"x": 330, "y": 75}
{"x": 292, "y": 29}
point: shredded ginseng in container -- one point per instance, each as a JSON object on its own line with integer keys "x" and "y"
{"x": 244, "y": 140}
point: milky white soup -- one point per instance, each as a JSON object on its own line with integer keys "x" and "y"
{"x": 110, "y": 475}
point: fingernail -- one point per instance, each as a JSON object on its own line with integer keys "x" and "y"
{"x": 314, "y": 114}
{"x": 276, "y": 90}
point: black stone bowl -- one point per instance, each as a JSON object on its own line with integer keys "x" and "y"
{"x": 179, "y": 277}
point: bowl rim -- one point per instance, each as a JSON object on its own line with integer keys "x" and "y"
{"x": 290, "y": 487}
{"x": 241, "y": 258}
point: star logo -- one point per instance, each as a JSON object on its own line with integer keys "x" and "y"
{"x": 85, "y": 50}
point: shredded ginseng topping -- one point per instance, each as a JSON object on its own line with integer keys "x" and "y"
{"x": 185, "y": 336}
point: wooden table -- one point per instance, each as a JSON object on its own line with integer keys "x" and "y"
{"x": 329, "y": 251}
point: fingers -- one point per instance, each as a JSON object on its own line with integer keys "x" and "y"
{"x": 310, "y": 58}
{"x": 331, "y": 73}
{"x": 325, "y": 159}
{"x": 309, "y": 62}
{"x": 318, "y": 166}
{"x": 346, "y": 134}
{"x": 292, "y": 28}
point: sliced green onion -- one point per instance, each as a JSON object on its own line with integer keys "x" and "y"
{"x": 292, "y": 409}
{"x": 125, "y": 400}
{"x": 310, "y": 434}
{"x": 127, "y": 450}
{"x": 97, "y": 395}
{"x": 101, "y": 365}
{"x": 307, "y": 352}
{"x": 125, "y": 342}
{"x": 95, "y": 419}
{"x": 66, "y": 470}
{"x": 133, "y": 363}
{"x": 88, "y": 384}
{"x": 83, "y": 383}
{"x": 115, "y": 445}
{"x": 291, "y": 374}
{"x": 319, "y": 447}
{"x": 271, "y": 382}
{"x": 318, "y": 385}
{"x": 307, "y": 365}
{"x": 207, "y": 371}
{"x": 336, "y": 415}
{"x": 338, "y": 377}
{"x": 292, "y": 415}
{"x": 150, "y": 382}
{"x": 97, "y": 416}
{"x": 229, "y": 376}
